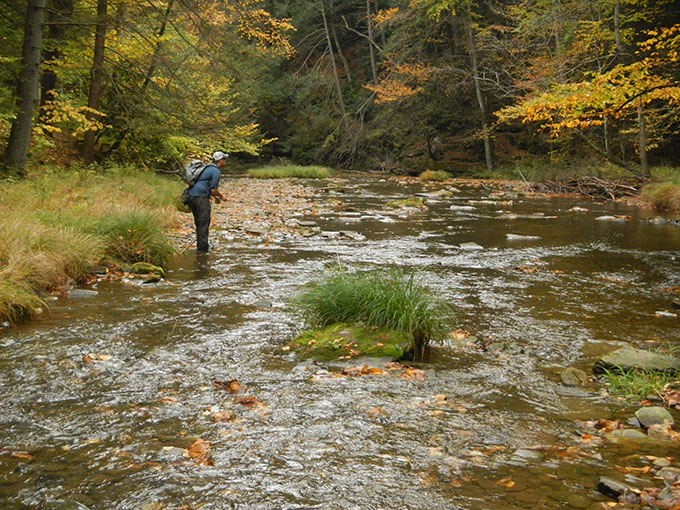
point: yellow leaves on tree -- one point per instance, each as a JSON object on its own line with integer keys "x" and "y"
{"x": 383, "y": 16}
{"x": 268, "y": 32}
{"x": 406, "y": 84}
{"x": 615, "y": 94}
{"x": 61, "y": 115}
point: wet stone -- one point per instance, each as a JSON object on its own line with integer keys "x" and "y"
{"x": 670, "y": 474}
{"x": 655, "y": 415}
{"x": 628, "y": 358}
{"x": 470, "y": 246}
{"x": 627, "y": 434}
{"x": 518, "y": 237}
{"x": 574, "y": 377}
{"x": 661, "y": 462}
{"x": 82, "y": 293}
{"x": 611, "y": 488}
{"x": 170, "y": 454}
{"x": 526, "y": 455}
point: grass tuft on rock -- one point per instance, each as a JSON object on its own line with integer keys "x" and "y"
{"x": 290, "y": 171}
{"x": 390, "y": 299}
{"x": 664, "y": 196}
{"x": 434, "y": 175}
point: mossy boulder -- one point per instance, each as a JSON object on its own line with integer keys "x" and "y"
{"x": 628, "y": 358}
{"x": 146, "y": 268}
{"x": 349, "y": 341}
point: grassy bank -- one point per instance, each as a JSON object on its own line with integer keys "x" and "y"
{"x": 290, "y": 171}
{"x": 56, "y": 225}
{"x": 663, "y": 195}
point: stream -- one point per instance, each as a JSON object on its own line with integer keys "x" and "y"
{"x": 103, "y": 396}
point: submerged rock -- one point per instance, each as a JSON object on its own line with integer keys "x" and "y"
{"x": 574, "y": 377}
{"x": 518, "y": 237}
{"x": 82, "y": 293}
{"x": 628, "y": 358}
{"x": 349, "y": 341}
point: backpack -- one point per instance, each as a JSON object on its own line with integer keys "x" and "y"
{"x": 193, "y": 170}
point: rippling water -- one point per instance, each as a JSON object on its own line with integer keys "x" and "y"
{"x": 111, "y": 433}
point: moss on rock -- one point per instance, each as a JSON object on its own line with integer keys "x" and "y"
{"x": 145, "y": 267}
{"x": 346, "y": 340}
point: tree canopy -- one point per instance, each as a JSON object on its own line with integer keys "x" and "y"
{"x": 392, "y": 85}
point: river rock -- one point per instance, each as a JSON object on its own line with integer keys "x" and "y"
{"x": 526, "y": 455}
{"x": 356, "y": 236}
{"x": 82, "y": 293}
{"x": 670, "y": 474}
{"x": 654, "y": 415}
{"x": 463, "y": 208}
{"x": 611, "y": 488}
{"x": 626, "y": 434}
{"x": 617, "y": 219}
{"x": 256, "y": 228}
{"x": 658, "y": 220}
{"x": 305, "y": 223}
{"x": 628, "y": 358}
{"x": 470, "y": 246}
{"x": 574, "y": 377}
{"x": 661, "y": 462}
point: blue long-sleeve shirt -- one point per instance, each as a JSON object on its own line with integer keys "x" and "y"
{"x": 209, "y": 180}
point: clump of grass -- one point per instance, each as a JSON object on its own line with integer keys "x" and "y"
{"x": 635, "y": 384}
{"x": 384, "y": 299}
{"x": 290, "y": 171}
{"x": 406, "y": 202}
{"x": 664, "y": 196}
{"x": 434, "y": 175}
{"x": 135, "y": 236}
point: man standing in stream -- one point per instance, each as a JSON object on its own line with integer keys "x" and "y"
{"x": 199, "y": 198}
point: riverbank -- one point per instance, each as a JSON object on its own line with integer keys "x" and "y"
{"x": 57, "y": 227}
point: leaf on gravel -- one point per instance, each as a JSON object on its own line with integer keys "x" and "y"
{"x": 232, "y": 386}
{"x": 375, "y": 412}
{"x": 490, "y": 450}
{"x": 505, "y": 482}
{"x": 223, "y": 416}
{"x": 168, "y": 400}
{"x": 200, "y": 452}
{"x": 22, "y": 456}
{"x": 637, "y": 471}
{"x": 414, "y": 374}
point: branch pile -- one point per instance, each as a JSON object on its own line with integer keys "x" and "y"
{"x": 592, "y": 187}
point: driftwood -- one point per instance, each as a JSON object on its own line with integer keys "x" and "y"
{"x": 592, "y": 187}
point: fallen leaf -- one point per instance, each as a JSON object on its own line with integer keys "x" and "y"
{"x": 232, "y": 386}
{"x": 458, "y": 482}
{"x": 89, "y": 358}
{"x": 638, "y": 471}
{"x": 168, "y": 400}
{"x": 375, "y": 412}
{"x": 22, "y": 455}
{"x": 490, "y": 450}
{"x": 223, "y": 416}
{"x": 505, "y": 482}
{"x": 414, "y": 373}
{"x": 200, "y": 452}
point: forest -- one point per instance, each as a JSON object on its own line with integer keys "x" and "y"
{"x": 472, "y": 87}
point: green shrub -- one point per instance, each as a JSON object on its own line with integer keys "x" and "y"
{"x": 384, "y": 299}
{"x": 290, "y": 171}
{"x": 135, "y": 236}
{"x": 434, "y": 175}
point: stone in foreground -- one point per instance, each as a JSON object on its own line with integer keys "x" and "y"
{"x": 653, "y": 415}
{"x": 346, "y": 341}
{"x": 629, "y": 358}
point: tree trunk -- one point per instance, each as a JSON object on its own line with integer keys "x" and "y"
{"x": 56, "y": 32}
{"x": 374, "y": 68}
{"x": 480, "y": 99}
{"x": 617, "y": 28}
{"x": 87, "y": 150}
{"x": 27, "y": 88}
{"x": 345, "y": 64}
{"x": 341, "y": 99}
{"x": 642, "y": 144}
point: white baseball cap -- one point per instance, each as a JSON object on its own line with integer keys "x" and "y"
{"x": 219, "y": 155}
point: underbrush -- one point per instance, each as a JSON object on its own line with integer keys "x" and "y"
{"x": 290, "y": 171}
{"x": 389, "y": 299}
{"x": 56, "y": 225}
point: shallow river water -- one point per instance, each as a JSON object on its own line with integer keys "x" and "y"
{"x": 102, "y": 397}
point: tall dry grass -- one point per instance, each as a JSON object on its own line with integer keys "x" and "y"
{"x": 56, "y": 225}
